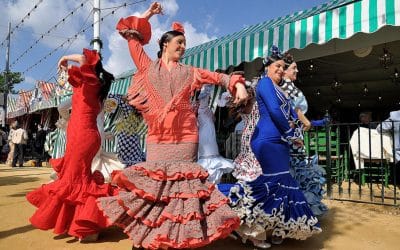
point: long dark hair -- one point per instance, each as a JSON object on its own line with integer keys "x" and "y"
{"x": 105, "y": 78}
{"x": 167, "y": 37}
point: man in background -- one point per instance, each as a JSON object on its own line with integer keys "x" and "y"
{"x": 19, "y": 138}
{"x": 392, "y": 125}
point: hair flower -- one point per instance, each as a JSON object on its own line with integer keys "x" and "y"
{"x": 178, "y": 27}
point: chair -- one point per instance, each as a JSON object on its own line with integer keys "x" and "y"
{"x": 326, "y": 144}
{"x": 377, "y": 170}
{"x": 371, "y": 161}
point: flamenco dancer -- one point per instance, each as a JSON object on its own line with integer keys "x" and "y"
{"x": 272, "y": 201}
{"x": 68, "y": 205}
{"x": 209, "y": 157}
{"x": 167, "y": 202}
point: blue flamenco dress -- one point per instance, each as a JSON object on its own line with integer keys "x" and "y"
{"x": 273, "y": 201}
{"x": 305, "y": 169}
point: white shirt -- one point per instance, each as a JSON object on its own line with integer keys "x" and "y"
{"x": 19, "y": 136}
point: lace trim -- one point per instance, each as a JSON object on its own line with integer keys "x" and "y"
{"x": 259, "y": 221}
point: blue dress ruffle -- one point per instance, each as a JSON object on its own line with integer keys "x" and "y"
{"x": 311, "y": 180}
{"x": 272, "y": 202}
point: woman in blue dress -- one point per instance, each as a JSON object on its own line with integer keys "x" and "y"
{"x": 273, "y": 201}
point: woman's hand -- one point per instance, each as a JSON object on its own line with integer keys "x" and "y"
{"x": 299, "y": 143}
{"x": 306, "y": 125}
{"x": 241, "y": 94}
{"x": 62, "y": 64}
{"x": 155, "y": 8}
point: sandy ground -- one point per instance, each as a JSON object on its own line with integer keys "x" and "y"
{"x": 348, "y": 225}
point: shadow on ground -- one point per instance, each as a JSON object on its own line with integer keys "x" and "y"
{"x": 15, "y": 180}
{"x": 15, "y": 231}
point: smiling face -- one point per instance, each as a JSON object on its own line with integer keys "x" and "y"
{"x": 275, "y": 71}
{"x": 291, "y": 72}
{"x": 175, "y": 48}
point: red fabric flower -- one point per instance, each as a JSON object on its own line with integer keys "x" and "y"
{"x": 178, "y": 27}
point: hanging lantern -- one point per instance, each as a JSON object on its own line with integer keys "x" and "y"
{"x": 336, "y": 85}
{"x": 359, "y": 104}
{"x": 338, "y": 100}
{"x": 311, "y": 67}
{"x": 365, "y": 90}
{"x": 318, "y": 92}
{"x": 380, "y": 99}
{"x": 396, "y": 77}
{"x": 385, "y": 59}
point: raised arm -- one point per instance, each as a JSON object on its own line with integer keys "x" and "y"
{"x": 137, "y": 31}
{"x": 77, "y": 58}
{"x": 154, "y": 8}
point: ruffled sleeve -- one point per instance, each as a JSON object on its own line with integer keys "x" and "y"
{"x": 202, "y": 76}
{"x": 137, "y": 31}
{"x": 136, "y": 27}
{"x": 85, "y": 73}
{"x": 300, "y": 102}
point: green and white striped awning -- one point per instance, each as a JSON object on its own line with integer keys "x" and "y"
{"x": 337, "y": 19}
{"x": 121, "y": 84}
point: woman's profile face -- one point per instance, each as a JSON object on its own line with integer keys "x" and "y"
{"x": 291, "y": 72}
{"x": 175, "y": 48}
{"x": 275, "y": 71}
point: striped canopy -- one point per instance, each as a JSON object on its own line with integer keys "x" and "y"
{"x": 337, "y": 19}
{"x": 13, "y": 109}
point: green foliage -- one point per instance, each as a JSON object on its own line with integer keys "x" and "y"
{"x": 13, "y": 78}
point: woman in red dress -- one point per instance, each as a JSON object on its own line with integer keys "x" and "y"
{"x": 167, "y": 202}
{"x": 68, "y": 205}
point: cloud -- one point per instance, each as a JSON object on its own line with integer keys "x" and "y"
{"x": 115, "y": 50}
{"x": 170, "y": 7}
{"x": 120, "y": 61}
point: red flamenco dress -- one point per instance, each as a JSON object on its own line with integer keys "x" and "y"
{"x": 68, "y": 205}
{"x": 167, "y": 202}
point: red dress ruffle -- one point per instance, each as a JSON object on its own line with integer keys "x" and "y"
{"x": 168, "y": 202}
{"x": 68, "y": 205}
{"x": 175, "y": 213}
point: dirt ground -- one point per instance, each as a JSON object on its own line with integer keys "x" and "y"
{"x": 348, "y": 225}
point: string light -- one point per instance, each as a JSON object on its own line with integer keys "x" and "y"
{"x": 54, "y": 27}
{"x": 22, "y": 21}
{"x": 71, "y": 39}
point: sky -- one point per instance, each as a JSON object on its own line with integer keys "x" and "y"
{"x": 42, "y": 34}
